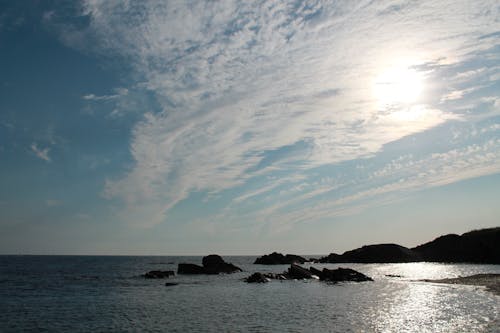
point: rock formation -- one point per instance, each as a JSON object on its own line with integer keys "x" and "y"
{"x": 276, "y": 258}
{"x": 212, "y": 264}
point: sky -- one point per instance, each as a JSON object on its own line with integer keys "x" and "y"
{"x": 245, "y": 127}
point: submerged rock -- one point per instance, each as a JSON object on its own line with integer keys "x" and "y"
{"x": 276, "y": 258}
{"x": 158, "y": 274}
{"x": 185, "y": 268}
{"x": 257, "y": 278}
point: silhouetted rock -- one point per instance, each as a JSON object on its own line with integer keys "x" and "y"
{"x": 478, "y": 246}
{"x": 331, "y": 258}
{"x": 316, "y": 272}
{"x": 158, "y": 274}
{"x": 190, "y": 269}
{"x": 297, "y": 272}
{"x": 380, "y": 253}
{"x": 276, "y": 258}
{"x": 212, "y": 264}
{"x": 257, "y": 278}
{"x": 212, "y": 260}
{"x": 170, "y": 284}
{"x": 343, "y": 274}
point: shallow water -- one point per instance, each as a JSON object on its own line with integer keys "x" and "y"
{"x": 85, "y": 293}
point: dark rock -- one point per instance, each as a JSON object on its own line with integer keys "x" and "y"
{"x": 378, "y": 253}
{"x": 276, "y": 258}
{"x": 158, "y": 274}
{"x": 381, "y": 253}
{"x": 297, "y": 272}
{"x": 343, "y": 274}
{"x": 316, "y": 272}
{"x": 478, "y": 246}
{"x": 331, "y": 258}
{"x": 212, "y": 260}
{"x": 170, "y": 284}
{"x": 394, "y": 276}
{"x": 190, "y": 269}
{"x": 214, "y": 264}
{"x": 257, "y": 278}
{"x": 294, "y": 259}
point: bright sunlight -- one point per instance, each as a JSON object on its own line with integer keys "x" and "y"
{"x": 397, "y": 85}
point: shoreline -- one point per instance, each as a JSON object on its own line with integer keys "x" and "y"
{"x": 490, "y": 281}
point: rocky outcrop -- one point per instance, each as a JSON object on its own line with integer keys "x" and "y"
{"x": 378, "y": 253}
{"x": 296, "y": 272}
{"x": 158, "y": 274}
{"x": 331, "y": 258}
{"x": 184, "y": 268}
{"x": 381, "y": 253}
{"x": 212, "y": 264}
{"x": 276, "y": 258}
{"x": 479, "y": 246}
{"x": 257, "y": 278}
{"x": 343, "y": 274}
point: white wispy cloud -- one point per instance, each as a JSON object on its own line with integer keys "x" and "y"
{"x": 248, "y": 89}
{"x": 42, "y": 153}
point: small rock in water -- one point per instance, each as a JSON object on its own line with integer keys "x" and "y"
{"x": 343, "y": 274}
{"x": 158, "y": 274}
{"x": 257, "y": 278}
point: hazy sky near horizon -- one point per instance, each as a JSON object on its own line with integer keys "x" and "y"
{"x": 241, "y": 127}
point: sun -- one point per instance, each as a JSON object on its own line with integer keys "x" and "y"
{"x": 396, "y": 86}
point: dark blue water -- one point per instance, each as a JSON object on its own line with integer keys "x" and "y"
{"x": 89, "y": 293}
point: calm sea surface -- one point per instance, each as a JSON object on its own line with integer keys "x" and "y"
{"x": 87, "y": 293}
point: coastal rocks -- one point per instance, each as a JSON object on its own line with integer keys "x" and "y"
{"x": 478, "y": 246}
{"x": 257, "y": 278}
{"x": 378, "y": 253}
{"x": 343, "y": 274}
{"x": 158, "y": 274}
{"x": 276, "y": 258}
{"x": 212, "y": 264}
{"x": 184, "y": 268}
{"x": 296, "y": 272}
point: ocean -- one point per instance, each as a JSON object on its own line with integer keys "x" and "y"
{"x": 108, "y": 294}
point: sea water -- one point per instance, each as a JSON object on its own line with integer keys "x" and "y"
{"x": 108, "y": 294}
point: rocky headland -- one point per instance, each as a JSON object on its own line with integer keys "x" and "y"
{"x": 478, "y": 246}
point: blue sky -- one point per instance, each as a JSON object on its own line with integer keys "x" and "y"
{"x": 243, "y": 127}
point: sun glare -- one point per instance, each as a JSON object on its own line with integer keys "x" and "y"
{"x": 397, "y": 86}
